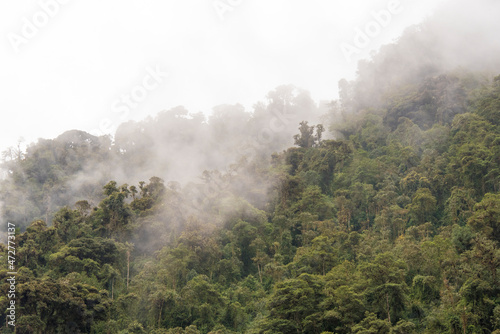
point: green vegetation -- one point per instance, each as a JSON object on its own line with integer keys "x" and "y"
{"x": 393, "y": 227}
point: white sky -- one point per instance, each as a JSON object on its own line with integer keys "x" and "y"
{"x": 71, "y": 73}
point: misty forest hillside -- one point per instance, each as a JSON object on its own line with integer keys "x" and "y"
{"x": 378, "y": 213}
{"x": 175, "y": 145}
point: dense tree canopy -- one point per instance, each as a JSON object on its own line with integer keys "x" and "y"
{"x": 387, "y": 223}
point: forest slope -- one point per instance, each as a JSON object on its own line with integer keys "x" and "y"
{"x": 393, "y": 226}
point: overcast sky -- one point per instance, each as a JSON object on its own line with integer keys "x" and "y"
{"x": 92, "y": 64}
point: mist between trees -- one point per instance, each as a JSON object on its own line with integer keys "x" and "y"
{"x": 377, "y": 212}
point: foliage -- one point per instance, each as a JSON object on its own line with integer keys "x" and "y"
{"x": 392, "y": 227}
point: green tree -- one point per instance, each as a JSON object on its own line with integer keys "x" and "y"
{"x": 294, "y": 304}
{"x": 386, "y": 288}
{"x": 422, "y": 207}
{"x": 486, "y": 216}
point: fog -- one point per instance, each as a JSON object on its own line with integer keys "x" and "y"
{"x": 461, "y": 37}
{"x": 69, "y": 72}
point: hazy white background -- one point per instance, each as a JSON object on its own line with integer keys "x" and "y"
{"x": 91, "y": 52}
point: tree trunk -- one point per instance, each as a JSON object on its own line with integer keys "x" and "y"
{"x": 49, "y": 204}
{"x": 388, "y": 308}
{"x": 128, "y": 267}
{"x": 159, "y": 316}
{"x": 464, "y": 321}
